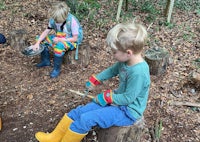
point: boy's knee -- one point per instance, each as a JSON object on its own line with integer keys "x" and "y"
{"x": 86, "y": 121}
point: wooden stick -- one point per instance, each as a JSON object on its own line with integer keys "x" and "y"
{"x": 184, "y": 104}
{"x": 80, "y": 94}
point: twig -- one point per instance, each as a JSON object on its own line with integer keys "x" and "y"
{"x": 185, "y": 104}
{"x": 149, "y": 26}
{"x": 174, "y": 93}
{"x": 158, "y": 129}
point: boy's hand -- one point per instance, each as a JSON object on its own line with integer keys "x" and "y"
{"x": 93, "y": 81}
{"x": 104, "y": 98}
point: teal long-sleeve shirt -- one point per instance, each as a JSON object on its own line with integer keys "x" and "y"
{"x": 133, "y": 90}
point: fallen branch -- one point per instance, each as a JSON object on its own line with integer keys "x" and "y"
{"x": 185, "y": 104}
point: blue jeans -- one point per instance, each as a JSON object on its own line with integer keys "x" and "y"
{"x": 92, "y": 114}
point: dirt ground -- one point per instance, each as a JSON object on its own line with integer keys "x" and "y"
{"x": 30, "y": 101}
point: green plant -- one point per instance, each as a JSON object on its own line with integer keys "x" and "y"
{"x": 196, "y": 63}
{"x": 187, "y": 5}
{"x": 150, "y": 18}
{"x": 82, "y": 10}
{"x": 92, "y": 14}
{"x": 2, "y": 5}
{"x": 148, "y": 7}
{"x": 93, "y": 4}
{"x": 72, "y": 4}
{"x": 127, "y": 16}
{"x": 197, "y": 11}
{"x": 158, "y": 129}
{"x": 188, "y": 36}
{"x": 85, "y": 9}
{"x": 169, "y": 25}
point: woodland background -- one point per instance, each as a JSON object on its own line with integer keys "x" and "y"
{"x": 30, "y": 101}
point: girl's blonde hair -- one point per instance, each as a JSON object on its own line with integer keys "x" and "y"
{"x": 59, "y": 12}
{"x": 127, "y": 36}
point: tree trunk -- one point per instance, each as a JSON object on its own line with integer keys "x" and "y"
{"x": 18, "y": 39}
{"x": 169, "y": 9}
{"x": 119, "y": 9}
{"x": 126, "y": 6}
{"x": 158, "y": 60}
{"x": 122, "y": 134}
{"x": 80, "y": 56}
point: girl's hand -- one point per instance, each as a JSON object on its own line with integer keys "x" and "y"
{"x": 36, "y": 47}
{"x": 56, "y": 39}
{"x": 59, "y": 39}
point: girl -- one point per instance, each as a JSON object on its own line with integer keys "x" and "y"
{"x": 68, "y": 36}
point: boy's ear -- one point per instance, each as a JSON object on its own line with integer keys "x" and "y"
{"x": 129, "y": 52}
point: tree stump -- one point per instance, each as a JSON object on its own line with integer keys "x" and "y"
{"x": 18, "y": 39}
{"x": 195, "y": 77}
{"x": 132, "y": 133}
{"x": 83, "y": 55}
{"x": 158, "y": 60}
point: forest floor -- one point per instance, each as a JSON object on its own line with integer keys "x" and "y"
{"x": 30, "y": 101}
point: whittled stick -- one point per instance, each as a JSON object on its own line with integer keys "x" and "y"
{"x": 80, "y": 94}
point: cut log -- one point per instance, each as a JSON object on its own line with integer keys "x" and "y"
{"x": 132, "y": 133}
{"x": 83, "y": 57}
{"x": 158, "y": 60}
{"x": 18, "y": 39}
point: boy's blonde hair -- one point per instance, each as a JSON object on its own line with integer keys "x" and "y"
{"x": 127, "y": 36}
{"x": 59, "y": 12}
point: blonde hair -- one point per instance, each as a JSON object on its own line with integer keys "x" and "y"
{"x": 127, "y": 36}
{"x": 59, "y": 12}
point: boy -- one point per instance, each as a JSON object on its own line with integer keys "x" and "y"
{"x": 120, "y": 107}
{"x": 68, "y": 36}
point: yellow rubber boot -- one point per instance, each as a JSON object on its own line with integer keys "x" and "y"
{"x": 57, "y": 133}
{"x": 71, "y": 136}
